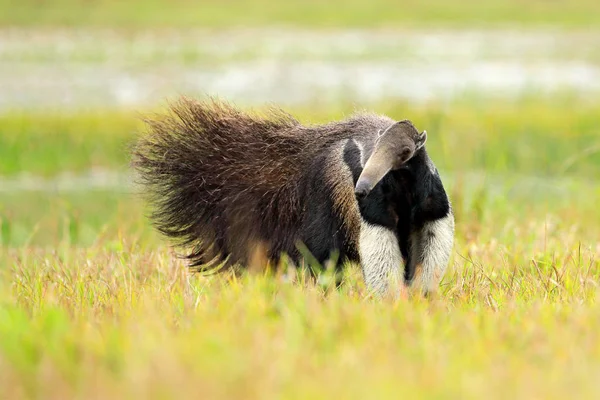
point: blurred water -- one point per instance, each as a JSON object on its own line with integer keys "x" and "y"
{"x": 103, "y": 68}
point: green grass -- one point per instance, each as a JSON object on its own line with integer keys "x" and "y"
{"x": 49, "y": 142}
{"x": 537, "y": 135}
{"x": 320, "y": 14}
{"x": 94, "y": 304}
{"x": 99, "y": 322}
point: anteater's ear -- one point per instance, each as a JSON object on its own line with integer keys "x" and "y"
{"x": 421, "y": 140}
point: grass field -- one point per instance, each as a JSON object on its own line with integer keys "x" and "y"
{"x": 94, "y": 304}
{"x": 313, "y": 13}
{"x": 546, "y": 136}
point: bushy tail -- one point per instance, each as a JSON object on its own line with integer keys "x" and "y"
{"x": 207, "y": 167}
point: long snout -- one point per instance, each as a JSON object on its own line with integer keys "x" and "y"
{"x": 363, "y": 187}
{"x": 370, "y": 176}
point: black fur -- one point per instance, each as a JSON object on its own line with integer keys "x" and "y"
{"x": 428, "y": 198}
{"x": 404, "y": 200}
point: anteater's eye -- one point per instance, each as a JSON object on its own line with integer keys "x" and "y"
{"x": 405, "y": 153}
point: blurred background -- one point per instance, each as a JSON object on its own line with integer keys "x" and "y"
{"x": 508, "y": 91}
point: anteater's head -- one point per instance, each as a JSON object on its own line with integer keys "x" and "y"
{"x": 394, "y": 146}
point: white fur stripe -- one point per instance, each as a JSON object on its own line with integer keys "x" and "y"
{"x": 381, "y": 259}
{"x": 430, "y": 250}
{"x": 361, "y": 150}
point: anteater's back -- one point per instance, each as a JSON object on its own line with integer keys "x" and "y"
{"x": 222, "y": 181}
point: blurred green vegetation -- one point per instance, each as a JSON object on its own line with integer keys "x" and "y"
{"x": 313, "y": 13}
{"x": 537, "y": 136}
{"x": 45, "y": 143}
{"x": 79, "y": 218}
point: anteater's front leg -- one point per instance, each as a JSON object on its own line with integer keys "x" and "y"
{"x": 381, "y": 260}
{"x": 430, "y": 249}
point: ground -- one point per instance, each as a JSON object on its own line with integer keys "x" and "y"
{"x": 94, "y": 303}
